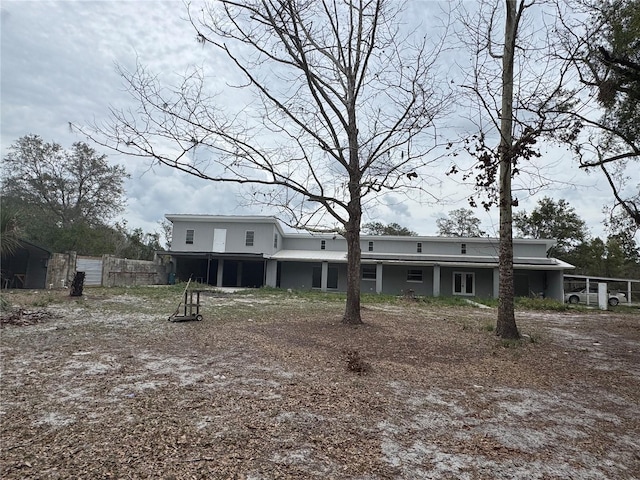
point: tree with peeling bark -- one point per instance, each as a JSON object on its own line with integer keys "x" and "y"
{"x": 519, "y": 90}
{"x": 343, "y": 109}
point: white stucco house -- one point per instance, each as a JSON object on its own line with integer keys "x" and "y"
{"x": 254, "y": 251}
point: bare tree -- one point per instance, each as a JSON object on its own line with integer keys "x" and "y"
{"x": 518, "y": 87}
{"x": 601, "y": 40}
{"x": 341, "y": 111}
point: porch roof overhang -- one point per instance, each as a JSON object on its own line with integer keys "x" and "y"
{"x": 527, "y": 263}
{"x": 230, "y": 255}
{"x": 309, "y": 256}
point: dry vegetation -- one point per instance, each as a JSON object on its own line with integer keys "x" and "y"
{"x": 271, "y": 385}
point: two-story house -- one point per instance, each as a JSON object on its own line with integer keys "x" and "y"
{"x": 254, "y": 251}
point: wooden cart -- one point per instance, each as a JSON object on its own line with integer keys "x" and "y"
{"x": 188, "y": 309}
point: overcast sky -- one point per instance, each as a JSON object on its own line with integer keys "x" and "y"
{"x": 58, "y": 64}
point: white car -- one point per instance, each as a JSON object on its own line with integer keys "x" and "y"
{"x": 579, "y": 295}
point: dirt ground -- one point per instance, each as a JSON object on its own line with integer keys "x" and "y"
{"x": 272, "y": 386}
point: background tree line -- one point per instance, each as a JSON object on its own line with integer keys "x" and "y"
{"x": 66, "y": 200}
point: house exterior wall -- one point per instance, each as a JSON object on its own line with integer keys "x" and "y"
{"x": 299, "y": 275}
{"x": 333, "y": 243}
{"x": 529, "y": 249}
{"x": 483, "y": 281}
{"x": 291, "y": 263}
{"x": 395, "y": 280}
{"x": 296, "y": 275}
{"x": 409, "y": 245}
{"x": 555, "y": 285}
{"x": 203, "y": 234}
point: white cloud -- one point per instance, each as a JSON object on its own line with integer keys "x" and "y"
{"x": 58, "y": 66}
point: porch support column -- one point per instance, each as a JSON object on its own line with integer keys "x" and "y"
{"x": 324, "y": 276}
{"x": 378, "y": 278}
{"x": 629, "y": 292}
{"x": 436, "y": 280}
{"x": 271, "y": 273}
{"x": 220, "y": 272}
{"x": 496, "y": 283}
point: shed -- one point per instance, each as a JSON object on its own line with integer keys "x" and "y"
{"x": 26, "y": 267}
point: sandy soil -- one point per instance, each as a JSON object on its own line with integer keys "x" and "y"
{"x": 273, "y": 386}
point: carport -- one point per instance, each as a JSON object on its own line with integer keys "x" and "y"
{"x": 588, "y": 279}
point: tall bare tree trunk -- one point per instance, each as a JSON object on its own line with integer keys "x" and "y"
{"x": 354, "y": 208}
{"x": 352, "y": 308}
{"x": 506, "y": 325}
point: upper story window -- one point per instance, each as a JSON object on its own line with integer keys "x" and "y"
{"x": 368, "y": 272}
{"x": 371, "y": 246}
{"x": 189, "y": 239}
{"x": 248, "y": 239}
{"x": 323, "y": 244}
{"x": 463, "y": 248}
{"x": 275, "y": 240}
{"x": 419, "y": 247}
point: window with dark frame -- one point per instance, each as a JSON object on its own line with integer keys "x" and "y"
{"x": 368, "y": 272}
{"x": 371, "y": 246}
{"x": 419, "y": 247}
{"x": 463, "y": 248}
{"x": 248, "y": 239}
{"x": 323, "y": 244}
{"x": 414, "y": 275}
{"x": 190, "y": 235}
{"x": 275, "y": 240}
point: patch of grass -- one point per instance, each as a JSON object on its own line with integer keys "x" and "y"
{"x": 489, "y": 327}
{"x": 509, "y": 343}
{"x": 4, "y": 303}
{"x": 528, "y": 303}
{"x": 445, "y": 301}
{"x": 43, "y": 300}
{"x": 310, "y": 295}
{"x": 621, "y": 308}
{"x": 534, "y": 338}
{"x": 147, "y": 291}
